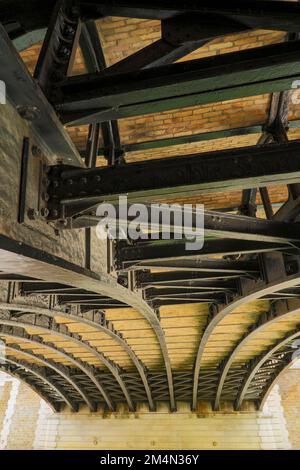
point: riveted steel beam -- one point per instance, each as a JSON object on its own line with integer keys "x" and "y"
{"x": 250, "y": 290}
{"x": 40, "y": 372}
{"x": 160, "y": 250}
{"x": 256, "y": 14}
{"x": 93, "y": 98}
{"x": 192, "y": 286}
{"x": 99, "y": 323}
{"x": 189, "y": 139}
{"x": 39, "y": 287}
{"x": 166, "y": 292}
{"x": 215, "y": 224}
{"x": 278, "y": 310}
{"x": 278, "y": 15}
{"x": 57, "y": 54}
{"x": 78, "y": 190}
{"x": 218, "y": 267}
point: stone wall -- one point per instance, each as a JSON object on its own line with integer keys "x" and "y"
{"x": 289, "y": 385}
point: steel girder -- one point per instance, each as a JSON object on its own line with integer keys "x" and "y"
{"x": 179, "y": 36}
{"x": 46, "y": 324}
{"x": 97, "y": 321}
{"x": 218, "y": 267}
{"x": 215, "y": 224}
{"x": 253, "y": 290}
{"x": 145, "y": 280}
{"x": 279, "y": 309}
{"x": 175, "y": 43}
{"x": 261, "y": 362}
{"x": 41, "y": 373}
{"x": 249, "y": 14}
{"x": 262, "y": 15}
{"x": 58, "y": 50}
{"x": 94, "y": 98}
{"x": 27, "y": 377}
{"x": 193, "y": 138}
{"x": 256, "y": 14}
{"x": 80, "y": 190}
{"x": 160, "y": 251}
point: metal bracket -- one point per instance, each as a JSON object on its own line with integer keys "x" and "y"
{"x": 273, "y": 267}
{"x": 23, "y": 180}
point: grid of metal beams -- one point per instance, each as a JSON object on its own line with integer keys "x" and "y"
{"x": 244, "y": 258}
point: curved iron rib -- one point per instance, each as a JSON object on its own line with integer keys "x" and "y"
{"x": 284, "y": 308}
{"x": 274, "y": 381}
{"x": 136, "y": 302}
{"x": 20, "y": 333}
{"x": 105, "y": 327}
{"x": 43, "y": 323}
{"x": 223, "y": 312}
{"x": 51, "y": 268}
{"x": 40, "y": 374}
{"x": 16, "y": 375}
{"x": 259, "y": 362}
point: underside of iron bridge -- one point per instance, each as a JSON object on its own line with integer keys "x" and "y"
{"x": 105, "y": 323}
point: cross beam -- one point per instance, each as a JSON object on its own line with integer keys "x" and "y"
{"x": 243, "y": 168}
{"x": 257, "y": 14}
{"x": 147, "y": 252}
{"x": 94, "y": 97}
{"x": 278, "y": 15}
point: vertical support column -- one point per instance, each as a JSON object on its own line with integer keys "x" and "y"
{"x": 95, "y": 62}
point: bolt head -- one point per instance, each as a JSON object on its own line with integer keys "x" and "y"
{"x": 45, "y": 197}
{"x": 36, "y": 151}
{"x": 30, "y": 113}
{"x": 33, "y": 214}
{"x": 44, "y": 212}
